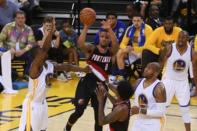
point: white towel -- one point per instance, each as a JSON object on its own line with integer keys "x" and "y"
{"x": 6, "y": 78}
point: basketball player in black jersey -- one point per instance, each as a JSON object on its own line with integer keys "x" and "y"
{"x": 119, "y": 117}
{"x": 99, "y": 60}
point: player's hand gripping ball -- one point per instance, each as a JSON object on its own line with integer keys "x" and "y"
{"x": 87, "y": 16}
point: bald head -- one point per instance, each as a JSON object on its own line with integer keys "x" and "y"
{"x": 155, "y": 66}
{"x": 152, "y": 70}
{"x": 154, "y": 11}
{"x": 183, "y": 39}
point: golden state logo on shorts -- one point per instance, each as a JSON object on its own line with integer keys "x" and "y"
{"x": 179, "y": 65}
{"x": 142, "y": 100}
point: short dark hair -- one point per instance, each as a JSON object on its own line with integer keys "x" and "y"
{"x": 156, "y": 66}
{"x": 152, "y": 6}
{"x": 48, "y": 19}
{"x": 137, "y": 15}
{"x": 19, "y": 12}
{"x": 125, "y": 89}
{"x": 168, "y": 18}
{"x": 102, "y": 30}
{"x": 65, "y": 21}
{"x": 111, "y": 13}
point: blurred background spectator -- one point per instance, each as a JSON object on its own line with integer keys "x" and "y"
{"x": 25, "y": 6}
{"x": 132, "y": 43}
{"x": 41, "y": 34}
{"x": 186, "y": 19}
{"x": 117, "y": 25}
{"x": 68, "y": 38}
{"x": 160, "y": 38}
{"x": 153, "y": 19}
{"x": 19, "y": 38}
{"x": 8, "y": 10}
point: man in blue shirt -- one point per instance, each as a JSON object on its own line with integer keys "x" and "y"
{"x": 8, "y": 10}
{"x": 118, "y": 27}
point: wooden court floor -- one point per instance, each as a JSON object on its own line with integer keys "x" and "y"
{"x": 60, "y": 108}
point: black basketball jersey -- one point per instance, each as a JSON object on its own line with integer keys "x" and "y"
{"x": 100, "y": 62}
{"x": 121, "y": 125}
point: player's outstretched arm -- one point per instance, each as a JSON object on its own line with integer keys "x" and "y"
{"x": 164, "y": 54}
{"x": 40, "y": 56}
{"x": 86, "y": 48}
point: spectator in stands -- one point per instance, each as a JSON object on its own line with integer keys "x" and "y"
{"x": 161, "y": 37}
{"x": 180, "y": 12}
{"x": 40, "y": 35}
{"x": 133, "y": 42}
{"x": 156, "y": 2}
{"x": 8, "y": 10}
{"x": 130, "y": 11}
{"x": 25, "y": 6}
{"x": 36, "y": 5}
{"x": 138, "y": 6}
{"x": 154, "y": 20}
{"x": 68, "y": 38}
{"x": 19, "y": 38}
{"x": 166, "y": 8}
{"x": 117, "y": 26}
{"x": 55, "y": 53}
{"x": 143, "y": 6}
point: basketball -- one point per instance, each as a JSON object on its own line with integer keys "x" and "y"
{"x": 87, "y": 16}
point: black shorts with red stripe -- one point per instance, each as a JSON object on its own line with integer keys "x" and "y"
{"x": 86, "y": 90}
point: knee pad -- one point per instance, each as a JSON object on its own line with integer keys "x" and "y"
{"x": 185, "y": 114}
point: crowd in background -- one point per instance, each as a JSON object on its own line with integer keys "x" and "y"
{"x": 151, "y": 22}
